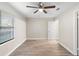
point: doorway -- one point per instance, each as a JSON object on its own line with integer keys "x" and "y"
{"x": 53, "y": 29}
{"x": 76, "y": 34}
{"x": 77, "y": 14}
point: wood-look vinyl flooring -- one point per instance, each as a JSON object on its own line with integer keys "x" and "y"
{"x": 40, "y": 48}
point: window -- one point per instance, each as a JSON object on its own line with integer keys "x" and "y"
{"x": 6, "y": 27}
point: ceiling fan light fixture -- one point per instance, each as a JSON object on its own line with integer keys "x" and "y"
{"x": 41, "y": 10}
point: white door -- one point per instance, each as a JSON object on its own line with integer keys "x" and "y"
{"x": 53, "y": 29}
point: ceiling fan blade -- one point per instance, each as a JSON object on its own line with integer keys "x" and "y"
{"x": 40, "y": 4}
{"x": 44, "y": 11}
{"x": 31, "y": 7}
{"x": 35, "y": 11}
{"x": 49, "y": 7}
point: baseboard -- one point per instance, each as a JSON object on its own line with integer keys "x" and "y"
{"x": 16, "y": 47}
{"x": 37, "y": 38}
{"x": 66, "y": 47}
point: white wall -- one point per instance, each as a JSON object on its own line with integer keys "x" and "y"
{"x": 37, "y": 28}
{"x": 67, "y": 29}
{"x": 20, "y": 30}
{"x": 5, "y": 6}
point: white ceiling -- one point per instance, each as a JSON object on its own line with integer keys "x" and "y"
{"x": 28, "y": 12}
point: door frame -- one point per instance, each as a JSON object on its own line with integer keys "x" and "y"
{"x": 75, "y": 32}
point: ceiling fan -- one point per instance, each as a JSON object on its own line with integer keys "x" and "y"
{"x": 41, "y": 7}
